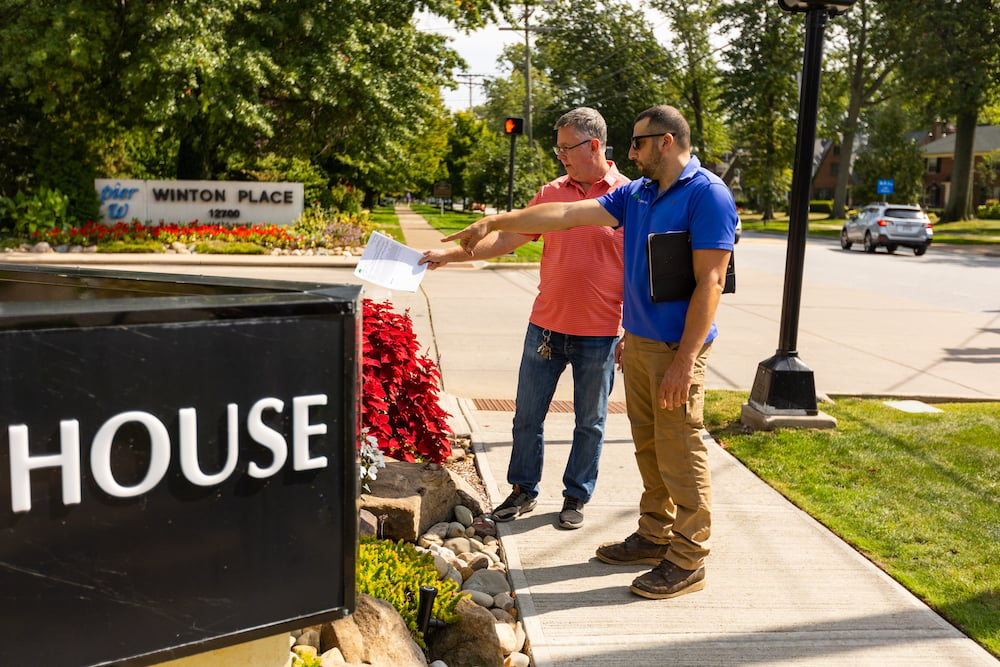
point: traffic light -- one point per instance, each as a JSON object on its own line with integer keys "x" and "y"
{"x": 513, "y": 126}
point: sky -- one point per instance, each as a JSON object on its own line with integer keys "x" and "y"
{"x": 480, "y": 50}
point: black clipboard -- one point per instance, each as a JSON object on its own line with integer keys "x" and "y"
{"x": 671, "y": 267}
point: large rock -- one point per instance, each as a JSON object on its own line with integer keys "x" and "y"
{"x": 387, "y": 640}
{"x": 345, "y": 635}
{"x": 470, "y": 642}
{"x": 409, "y": 498}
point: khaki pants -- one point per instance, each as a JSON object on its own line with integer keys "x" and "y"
{"x": 670, "y": 452}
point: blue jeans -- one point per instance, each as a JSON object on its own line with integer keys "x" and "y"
{"x": 593, "y": 362}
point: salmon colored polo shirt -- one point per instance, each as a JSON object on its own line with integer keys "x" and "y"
{"x": 581, "y": 274}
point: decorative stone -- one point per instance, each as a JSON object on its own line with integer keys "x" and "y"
{"x": 488, "y": 581}
{"x": 459, "y": 545}
{"x": 463, "y": 515}
{"x": 503, "y": 601}
{"x": 455, "y": 529}
{"x": 507, "y": 637}
{"x": 387, "y": 640}
{"x": 517, "y": 659}
{"x": 469, "y": 642}
{"x": 480, "y": 598}
{"x": 502, "y": 616}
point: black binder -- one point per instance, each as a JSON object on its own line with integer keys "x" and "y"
{"x": 671, "y": 268}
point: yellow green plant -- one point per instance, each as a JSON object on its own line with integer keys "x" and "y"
{"x": 395, "y": 571}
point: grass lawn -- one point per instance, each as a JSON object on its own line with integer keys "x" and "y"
{"x": 454, "y": 221}
{"x": 820, "y": 224}
{"x": 918, "y": 494}
{"x": 387, "y": 222}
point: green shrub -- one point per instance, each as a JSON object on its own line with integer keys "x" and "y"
{"x": 395, "y": 571}
{"x": 324, "y": 227}
{"x": 42, "y": 210}
{"x": 821, "y": 206}
{"x": 229, "y": 248}
{"x": 989, "y": 211}
{"x": 130, "y": 246}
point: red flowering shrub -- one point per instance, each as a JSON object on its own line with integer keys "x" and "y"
{"x": 399, "y": 394}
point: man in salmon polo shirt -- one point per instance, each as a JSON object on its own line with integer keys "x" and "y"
{"x": 575, "y": 321}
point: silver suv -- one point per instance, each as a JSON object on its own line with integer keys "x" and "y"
{"x": 890, "y": 226}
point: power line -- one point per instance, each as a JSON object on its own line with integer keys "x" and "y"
{"x": 470, "y": 77}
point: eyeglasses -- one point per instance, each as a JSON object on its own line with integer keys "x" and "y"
{"x": 636, "y": 141}
{"x": 562, "y": 150}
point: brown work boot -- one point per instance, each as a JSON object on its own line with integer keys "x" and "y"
{"x": 635, "y": 550}
{"x": 667, "y": 580}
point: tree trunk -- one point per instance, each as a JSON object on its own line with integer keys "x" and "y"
{"x": 959, "y": 205}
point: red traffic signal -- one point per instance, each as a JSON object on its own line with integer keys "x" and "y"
{"x": 513, "y": 126}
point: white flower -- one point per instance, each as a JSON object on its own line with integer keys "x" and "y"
{"x": 371, "y": 458}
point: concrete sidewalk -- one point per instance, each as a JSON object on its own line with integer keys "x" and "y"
{"x": 782, "y": 589}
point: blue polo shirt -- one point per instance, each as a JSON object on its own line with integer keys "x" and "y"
{"x": 698, "y": 202}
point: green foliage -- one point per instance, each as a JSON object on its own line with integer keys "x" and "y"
{"x": 890, "y": 154}
{"x": 821, "y": 206}
{"x": 989, "y": 211}
{"x": 395, "y": 571}
{"x": 603, "y": 55}
{"x": 319, "y": 226}
{"x": 761, "y": 97}
{"x": 38, "y": 212}
{"x": 229, "y": 248}
{"x": 130, "y": 247}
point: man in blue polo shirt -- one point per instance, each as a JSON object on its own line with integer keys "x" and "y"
{"x": 666, "y": 344}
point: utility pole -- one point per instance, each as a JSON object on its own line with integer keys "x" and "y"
{"x": 528, "y": 10}
{"x": 470, "y": 77}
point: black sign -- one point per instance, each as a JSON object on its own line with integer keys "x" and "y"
{"x": 177, "y": 462}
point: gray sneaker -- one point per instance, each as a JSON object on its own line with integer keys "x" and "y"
{"x": 516, "y": 504}
{"x": 634, "y": 550}
{"x": 667, "y": 580}
{"x": 571, "y": 515}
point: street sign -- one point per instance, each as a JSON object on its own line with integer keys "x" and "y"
{"x": 885, "y": 186}
{"x": 442, "y": 190}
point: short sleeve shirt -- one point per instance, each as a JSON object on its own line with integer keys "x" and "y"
{"x": 698, "y": 202}
{"x": 580, "y": 278}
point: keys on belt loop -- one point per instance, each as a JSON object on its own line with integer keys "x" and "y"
{"x": 545, "y": 349}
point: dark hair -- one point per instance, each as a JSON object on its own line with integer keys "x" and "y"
{"x": 668, "y": 119}
{"x": 588, "y": 121}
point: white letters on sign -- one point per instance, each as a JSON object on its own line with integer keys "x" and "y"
{"x": 22, "y": 462}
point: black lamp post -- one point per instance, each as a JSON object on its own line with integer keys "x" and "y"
{"x": 784, "y": 385}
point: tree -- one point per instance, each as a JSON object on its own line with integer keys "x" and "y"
{"x": 761, "y": 97}
{"x": 466, "y": 134}
{"x": 694, "y": 79}
{"x": 867, "y": 57}
{"x": 951, "y": 56}
{"x": 889, "y": 154}
{"x": 351, "y": 84}
{"x": 487, "y": 171}
{"x": 602, "y": 55}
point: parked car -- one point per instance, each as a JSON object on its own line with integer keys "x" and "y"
{"x": 889, "y": 226}
{"x": 739, "y": 230}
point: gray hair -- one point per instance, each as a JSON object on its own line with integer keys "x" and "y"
{"x": 588, "y": 121}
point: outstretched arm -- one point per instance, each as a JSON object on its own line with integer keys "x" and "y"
{"x": 492, "y": 245}
{"x": 534, "y": 220}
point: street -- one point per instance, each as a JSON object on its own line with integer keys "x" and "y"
{"x": 869, "y": 324}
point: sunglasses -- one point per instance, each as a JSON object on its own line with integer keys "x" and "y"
{"x": 637, "y": 140}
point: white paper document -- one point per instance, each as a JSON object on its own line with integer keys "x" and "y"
{"x": 390, "y": 264}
